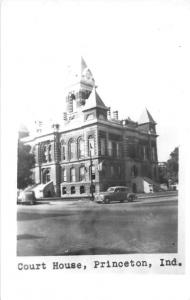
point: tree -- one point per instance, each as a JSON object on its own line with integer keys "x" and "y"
{"x": 25, "y": 163}
{"x": 168, "y": 172}
{"x": 173, "y": 166}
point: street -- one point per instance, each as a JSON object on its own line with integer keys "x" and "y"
{"x": 85, "y": 228}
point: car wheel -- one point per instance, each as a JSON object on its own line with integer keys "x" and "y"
{"x": 107, "y": 201}
{"x": 131, "y": 198}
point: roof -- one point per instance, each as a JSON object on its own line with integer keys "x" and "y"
{"x": 94, "y": 100}
{"x": 146, "y": 118}
{"x": 83, "y": 65}
{"x": 79, "y": 71}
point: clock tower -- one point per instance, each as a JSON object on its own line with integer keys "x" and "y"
{"x": 80, "y": 83}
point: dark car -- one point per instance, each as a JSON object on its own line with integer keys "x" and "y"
{"x": 115, "y": 193}
{"x": 26, "y": 197}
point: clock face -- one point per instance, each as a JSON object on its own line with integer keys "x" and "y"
{"x": 88, "y": 74}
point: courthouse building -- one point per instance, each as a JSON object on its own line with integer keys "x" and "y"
{"x": 91, "y": 148}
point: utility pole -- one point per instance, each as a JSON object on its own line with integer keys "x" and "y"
{"x": 150, "y": 145}
{"x": 91, "y": 179}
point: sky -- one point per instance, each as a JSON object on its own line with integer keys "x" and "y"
{"x": 138, "y": 52}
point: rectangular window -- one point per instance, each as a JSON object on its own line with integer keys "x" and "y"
{"x": 64, "y": 190}
{"x": 110, "y": 148}
{"x": 114, "y": 150}
{"x": 92, "y": 173}
{"x": 63, "y": 153}
{"x": 102, "y": 146}
{"x": 73, "y": 175}
{"x": 144, "y": 153}
{"x": 81, "y": 148}
{"x": 118, "y": 150}
{"x": 82, "y": 174}
{"x": 153, "y": 154}
{"x": 119, "y": 171}
{"x": 112, "y": 171}
{"x": 64, "y": 175}
{"x": 72, "y": 154}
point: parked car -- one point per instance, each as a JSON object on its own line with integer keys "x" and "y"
{"x": 115, "y": 193}
{"x": 26, "y": 197}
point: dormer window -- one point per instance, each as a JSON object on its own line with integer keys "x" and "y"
{"x": 89, "y": 117}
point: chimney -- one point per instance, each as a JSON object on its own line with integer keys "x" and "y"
{"x": 55, "y": 127}
{"x": 115, "y": 115}
{"x": 65, "y": 116}
{"x": 109, "y": 113}
{"x": 39, "y": 125}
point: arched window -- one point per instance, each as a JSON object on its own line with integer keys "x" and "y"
{"x": 82, "y": 173}
{"x": 73, "y": 190}
{"x": 63, "y": 157}
{"x": 80, "y": 148}
{"x": 64, "y": 191}
{"x": 49, "y": 153}
{"x": 82, "y": 189}
{"x": 91, "y": 145}
{"x": 64, "y": 175}
{"x": 73, "y": 175}
{"x": 45, "y": 154}
{"x": 46, "y": 177}
{"x": 71, "y": 149}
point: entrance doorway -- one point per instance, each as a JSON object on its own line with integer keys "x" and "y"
{"x": 134, "y": 188}
{"x": 46, "y": 176}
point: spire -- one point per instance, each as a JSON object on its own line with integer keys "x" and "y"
{"x": 146, "y": 118}
{"x": 94, "y": 100}
{"x": 83, "y": 65}
{"x": 78, "y": 72}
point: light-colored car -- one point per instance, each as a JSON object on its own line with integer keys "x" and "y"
{"x": 115, "y": 193}
{"x": 26, "y": 197}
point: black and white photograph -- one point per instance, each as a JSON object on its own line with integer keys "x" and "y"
{"x": 94, "y": 142}
{"x": 92, "y": 183}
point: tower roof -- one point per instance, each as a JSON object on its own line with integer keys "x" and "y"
{"x": 79, "y": 71}
{"x": 83, "y": 65}
{"x": 146, "y": 118}
{"x": 94, "y": 100}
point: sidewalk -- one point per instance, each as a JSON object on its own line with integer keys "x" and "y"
{"x": 139, "y": 196}
{"x": 158, "y": 194}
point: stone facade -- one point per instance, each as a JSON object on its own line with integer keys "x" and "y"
{"x": 91, "y": 149}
